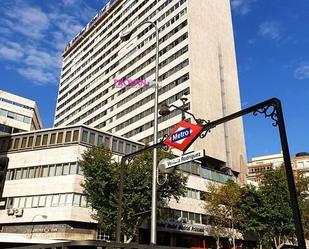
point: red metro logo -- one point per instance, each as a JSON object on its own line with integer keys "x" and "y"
{"x": 183, "y": 135}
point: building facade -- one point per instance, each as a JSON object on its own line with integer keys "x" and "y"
{"x": 43, "y": 197}
{"x": 260, "y": 164}
{"x": 18, "y": 114}
{"x": 299, "y": 162}
{"x": 196, "y": 59}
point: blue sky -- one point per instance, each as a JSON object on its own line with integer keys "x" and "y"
{"x": 272, "y": 46}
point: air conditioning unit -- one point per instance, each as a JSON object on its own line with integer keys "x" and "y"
{"x": 19, "y": 212}
{"x": 10, "y": 211}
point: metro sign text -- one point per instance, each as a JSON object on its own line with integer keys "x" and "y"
{"x": 180, "y": 134}
{"x": 183, "y": 135}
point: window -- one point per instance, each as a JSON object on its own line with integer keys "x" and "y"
{"x": 28, "y": 202}
{"x": 107, "y": 141}
{"x": 38, "y": 140}
{"x": 58, "y": 169}
{"x": 42, "y": 200}
{"x": 52, "y": 170}
{"x": 35, "y": 201}
{"x": 100, "y": 140}
{"x": 69, "y": 200}
{"x": 48, "y": 200}
{"x": 16, "y": 143}
{"x": 45, "y": 138}
{"x": 128, "y": 149}
{"x": 60, "y": 137}
{"x": 15, "y": 202}
{"x": 120, "y": 146}
{"x": 92, "y": 137}
{"x": 24, "y": 174}
{"x": 68, "y": 135}
{"x": 23, "y": 142}
{"x": 45, "y": 171}
{"x": 22, "y": 202}
{"x": 10, "y": 202}
{"x": 31, "y": 172}
{"x": 76, "y": 200}
{"x": 55, "y": 201}
{"x": 75, "y": 136}
{"x": 73, "y": 169}
{"x": 85, "y": 136}
{"x": 66, "y": 169}
{"x": 62, "y": 199}
{"x": 18, "y": 174}
{"x": 53, "y": 138}
{"x": 133, "y": 148}
{"x": 114, "y": 146}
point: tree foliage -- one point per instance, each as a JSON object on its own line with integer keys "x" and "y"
{"x": 101, "y": 184}
{"x": 266, "y": 211}
{"x": 263, "y": 211}
{"x": 221, "y": 204}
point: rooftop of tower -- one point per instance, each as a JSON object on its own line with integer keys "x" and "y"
{"x": 108, "y": 7}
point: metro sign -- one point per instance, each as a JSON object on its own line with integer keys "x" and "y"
{"x": 183, "y": 135}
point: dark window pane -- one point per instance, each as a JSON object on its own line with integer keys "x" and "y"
{"x": 45, "y": 138}
{"x": 60, "y": 137}
{"x": 75, "y": 136}
{"x": 100, "y": 140}
{"x": 53, "y": 138}
{"x": 68, "y": 136}
{"x": 128, "y": 148}
{"x": 16, "y": 143}
{"x": 120, "y": 146}
{"x": 85, "y": 137}
{"x": 38, "y": 140}
{"x": 114, "y": 146}
{"x": 23, "y": 142}
{"x": 92, "y": 137}
{"x": 107, "y": 141}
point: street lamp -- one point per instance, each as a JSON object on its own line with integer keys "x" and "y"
{"x": 37, "y": 215}
{"x": 125, "y": 36}
{"x": 165, "y": 110}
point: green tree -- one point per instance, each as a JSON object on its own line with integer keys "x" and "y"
{"x": 101, "y": 185}
{"x": 253, "y": 214}
{"x": 221, "y": 206}
{"x": 266, "y": 211}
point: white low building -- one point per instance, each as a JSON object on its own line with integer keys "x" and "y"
{"x": 43, "y": 196}
{"x": 18, "y": 114}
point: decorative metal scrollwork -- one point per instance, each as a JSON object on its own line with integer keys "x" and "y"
{"x": 270, "y": 111}
{"x": 164, "y": 147}
{"x": 203, "y": 122}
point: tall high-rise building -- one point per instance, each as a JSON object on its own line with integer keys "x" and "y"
{"x": 18, "y": 114}
{"x": 196, "y": 58}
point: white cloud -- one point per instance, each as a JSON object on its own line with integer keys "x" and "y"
{"x": 242, "y": 7}
{"x": 38, "y": 76}
{"x": 302, "y": 72}
{"x": 11, "y": 51}
{"x": 40, "y": 33}
{"x": 28, "y": 21}
{"x": 270, "y": 29}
